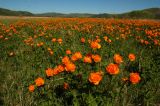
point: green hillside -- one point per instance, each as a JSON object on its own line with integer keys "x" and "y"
{"x": 7, "y": 12}
{"x": 151, "y": 13}
{"x": 54, "y": 14}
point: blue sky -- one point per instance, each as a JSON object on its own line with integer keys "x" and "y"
{"x": 79, "y": 6}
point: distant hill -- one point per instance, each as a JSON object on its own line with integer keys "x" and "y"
{"x": 50, "y": 14}
{"x": 7, "y": 12}
{"x": 151, "y": 13}
{"x": 104, "y": 15}
{"x": 53, "y": 14}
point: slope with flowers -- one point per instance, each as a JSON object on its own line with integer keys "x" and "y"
{"x": 80, "y": 61}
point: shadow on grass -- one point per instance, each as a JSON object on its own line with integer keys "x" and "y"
{"x": 1, "y": 91}
{"x": 1, "y": 99}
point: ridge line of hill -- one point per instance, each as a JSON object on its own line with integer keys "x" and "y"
{"x": 150, "y": 13}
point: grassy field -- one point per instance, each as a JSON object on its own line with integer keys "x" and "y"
{"x": 79, "y": 62}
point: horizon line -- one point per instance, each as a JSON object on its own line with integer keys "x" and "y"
{"x": 79, "y": 12}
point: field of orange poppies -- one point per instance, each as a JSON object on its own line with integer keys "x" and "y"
{"x": 79, "y": 62}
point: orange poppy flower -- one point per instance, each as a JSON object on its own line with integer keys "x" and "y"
{"x": 76, "y": 56}
{"x": 156, "y": 42}
{"x": 95, "y": 45}
{"x": 60, "y": 68}
{"x": 146, "y": 42}
{"x": 97, "y": 36}
{"x": 49, "y": 49}
{"x": 99, "y": 46}
{"x": 41, "y": 43}
{"x": 53, "y": 39}
{"x": 105, "y": 38}
{"x": 1, "y": 36}
{"x": 39, "y": 81}
{"x": 112, "y": 69}
{"x": 70, "y": 67}
{"x": 65, "y": 86}
{"x": 38, "y": 45}
{"x": 95, "y": 78}
{"x": 49, "y": 72}
{"x": 96, "y": 58}
{"x": 31, "y": 88}
{"x": 59, "y": 40}
{"x": 82, "y": 40}
{"x": 134, "y": 78}
{"x": 142, "y": 41}
{"x": 131, "y": 57}
{"x": 68, "y": 52}
{"x": 55, "y": 71}
{"x": 109, "y": 40}
{"x": 65, "y": 60}
{"x": 51, "y": 52}
{"x": 87, "y": 59}
{"x": 117, "y": 59}
{"x": 35, "y": 36}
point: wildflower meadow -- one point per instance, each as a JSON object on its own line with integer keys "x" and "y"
{"x": 79, "y": 62}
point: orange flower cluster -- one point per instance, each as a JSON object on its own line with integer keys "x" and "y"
{"x": 50, "y": 51}
{"x": 59, "y": 40}
{"x": 101, "y": 32}
{"x": 96, "y": 58}
{"x": 40, "y": 44}
{"x": 51, "y": 72}
{"x": 38, "y": 82}
{"x": 69, "y": 66}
